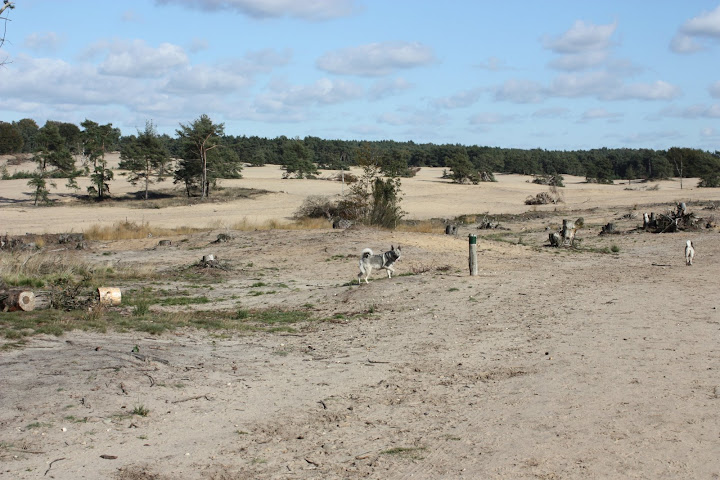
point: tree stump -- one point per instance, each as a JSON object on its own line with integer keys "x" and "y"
{"x": 164, "y": 243}
{"x": 14, "y": 300}
{"x": 608, "y": 229}
{"x": 451, "y": 230}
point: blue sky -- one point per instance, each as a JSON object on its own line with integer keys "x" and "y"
{"x": 526, "y": 74}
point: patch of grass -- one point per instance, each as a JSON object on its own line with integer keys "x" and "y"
{"x": 141, "y": 411}
{"x": 30, "y": 426}
{"x": 184, "y": 301}
{"x": 453, "y": 289}
{"x": 614, "y": 248}
{"x": 258, "y": 284}
{"x": 409, "y": 452}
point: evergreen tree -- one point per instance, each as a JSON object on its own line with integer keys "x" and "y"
{"x": 52, "y": 153}
{"x": 96, "y": 140}
{"x": 198, "y": 139}
{"x": 146, "y": 158}
{"x": 298, "y": 160}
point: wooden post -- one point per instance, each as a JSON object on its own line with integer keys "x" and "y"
{"x": 473, "y": 255}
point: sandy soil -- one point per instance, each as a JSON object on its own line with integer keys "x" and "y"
{"x": 550, "y": 364}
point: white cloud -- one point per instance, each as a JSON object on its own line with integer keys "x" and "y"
{"x": 693, "y": 111}
{"x": 203, "y": 79}
{"x": 284, "y": 97}
{"x": 376, "y": 59}
{"x": 579, "y": 61}
{"x": 459, "y": 100}
{"x": 490, "y": 118}
{"x": 136, "y": 59}
{"x": 198, "y": 45}
{"x": 582, "y": 37}
{"x": 305, "y": 9}
{"x": 387, "y": 88}
{"x": 707, "y": 24}
{"x": 494, "y": 64}
{"x": 599, "y": 114}
{"x": 710, "y": 132}
{"x": 131, "y": 16}
{"x": 520, "y": 91}
{"x": 413, "y": 117}
{"x": 658, "y": 90}
{"x": 684, "y": 44}
{"x": 714, "y": 89}
{"x": 555, "y": 112}
{"x": 49, "y": 41}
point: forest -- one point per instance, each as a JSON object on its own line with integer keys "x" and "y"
{"x": 205, "y": 152}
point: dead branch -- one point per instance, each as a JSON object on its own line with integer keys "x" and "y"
{"x": 51, "y": 464}
{"x": 192, "y": 398}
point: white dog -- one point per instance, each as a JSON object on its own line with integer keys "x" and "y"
{"x": 689, "y": 252}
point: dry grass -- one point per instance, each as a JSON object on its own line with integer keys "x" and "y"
{"x": 130, "y": 230}
{"x": 421, "y": 226}
{"x": 300, "y": 224}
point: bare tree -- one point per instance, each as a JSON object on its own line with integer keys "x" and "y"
{"x": 7, "y": 5}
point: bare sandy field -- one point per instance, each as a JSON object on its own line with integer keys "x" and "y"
{"x": 549, "y": 364}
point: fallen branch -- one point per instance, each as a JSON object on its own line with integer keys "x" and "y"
{"x": 51, "y": 464}
{"x": 192, "y": 398}
{"x": 375, "y": 361}
{"x": 145, "y": 358}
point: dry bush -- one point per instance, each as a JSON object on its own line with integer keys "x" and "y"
{"x": 544, "y": 198}
{"x": 317, "y": 206}
{"x": 347, "y": 177}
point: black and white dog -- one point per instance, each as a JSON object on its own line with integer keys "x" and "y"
{"x": 385, "y": 260}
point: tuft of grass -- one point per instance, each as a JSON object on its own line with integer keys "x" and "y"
{"x": 140, "y": 410}
{"x": 614, "y": 248}
{"x": 409, "y": 452}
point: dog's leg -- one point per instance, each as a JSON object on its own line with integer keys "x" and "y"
{"x": 390, "y": 271}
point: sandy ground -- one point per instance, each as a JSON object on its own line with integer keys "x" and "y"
{"x": 549, "y": 364}
{"x": 425, "y": 196}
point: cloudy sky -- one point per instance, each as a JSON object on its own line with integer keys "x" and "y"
{"x": 559, "y": 74}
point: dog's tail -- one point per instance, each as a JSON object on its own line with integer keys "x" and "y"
{"x": 367, "y": 252}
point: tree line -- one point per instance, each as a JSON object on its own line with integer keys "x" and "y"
{"x": 201, "y": 152}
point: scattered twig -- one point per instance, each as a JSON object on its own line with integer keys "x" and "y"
{"x": 145, "y": 358}
{"x": 51, "y": 464}
{"x": 191, "y": 398}
{"x": 311, "y": 462}
{"x": 323, "y": 404}
{"x": 152, "y": 380}
{"x": 376, "y": 361}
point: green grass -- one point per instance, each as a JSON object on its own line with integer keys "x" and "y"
{"x": 17, "y": 326}
{"x": 141, "y": 411}
{"x": 409, "y": 452}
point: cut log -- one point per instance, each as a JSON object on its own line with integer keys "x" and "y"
{"x": 164, "y": 243}
{"x": 109, "y": 296}
{"x": 14, "y": 300}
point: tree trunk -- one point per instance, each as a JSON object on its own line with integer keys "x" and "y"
{"x": 14, "y": 300}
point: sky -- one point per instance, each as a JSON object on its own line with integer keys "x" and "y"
{"x": 555, "y": 74}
